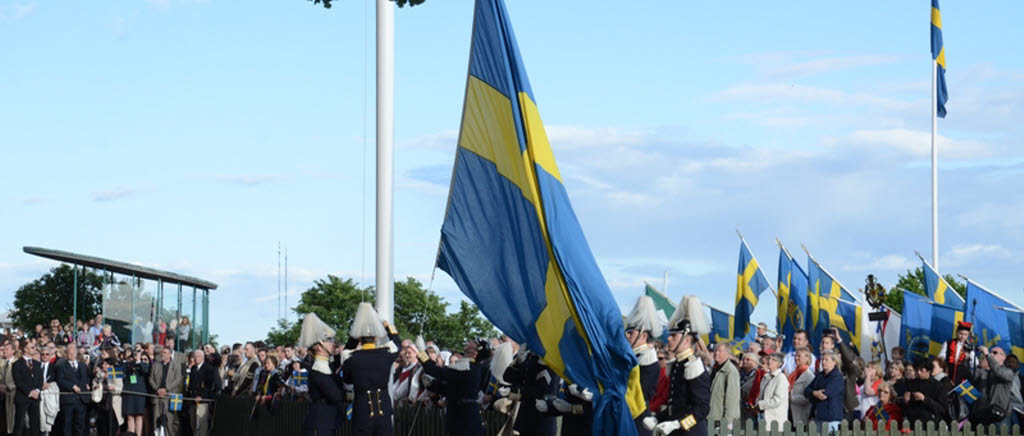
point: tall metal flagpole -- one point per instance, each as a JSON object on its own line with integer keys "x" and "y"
{"x": 385, "y": 156}
{"x": 935, "y": 168}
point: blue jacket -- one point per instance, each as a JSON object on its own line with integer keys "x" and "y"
{"x": 831, "y": 408}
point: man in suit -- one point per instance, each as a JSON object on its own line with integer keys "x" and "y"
{"x": 203, "y": 383}
{"x": 73, "y": 376}
{"x": 28, "y": 377}
{"x": 166, "y": 377}
{"x": 7, "y": 385}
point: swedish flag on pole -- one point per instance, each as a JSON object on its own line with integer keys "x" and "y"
{"x": 750, "y": 283}
{"x": 938, "y": 289}
{"x": 511, "y": 241}
{"x": 939, "y": 58}
{"x": 831, "y": 305}
{"x": 916, "y": 327}
{"x": 792, "y": 297}
{"x": 986, "y": 312}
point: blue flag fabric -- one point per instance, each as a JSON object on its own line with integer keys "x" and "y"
{"x": 792, "y": 298}
{"x": 940, "y": 291}
{"x": 831, "y": 305}
{"x": 985, "y": 310}
{"x": 968, "y": 392}
{"x": 723, "y": 331}
{"x": 939, "y": 55}
{"x": 510, "y": 238}
{"x": 174, "y": 405}
{"x": 750, "y": 283}
{"x": 944, "y": 320}
{"x": 916, "y": 326}
{"x": 1015, "y": 322}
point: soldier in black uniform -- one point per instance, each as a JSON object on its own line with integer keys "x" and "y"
{"x": 367, "y": 370}
{"x": 573, "y": 404}
{"x": 326, "y": 400}
{"x": 531, "y": 380}
{"x": 641, "y": 325}
{"x": 689, "y": 394}
{"x": 461, "y": 381}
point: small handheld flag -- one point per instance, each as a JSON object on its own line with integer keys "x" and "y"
{"x": 881, "y": 414}
{"x": 968, "y": 392}
{"x": 175, "y": 403}
{"x": 348, "y": 412}
{"x": 300, "y": 378}
{"x": 115, "y": 372}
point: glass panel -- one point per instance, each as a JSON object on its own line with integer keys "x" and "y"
{"x": 145, "y": 312}
{"x": 168, "y": 312}
{"x": 117, "y": 307}
{"x": 184, "y": 324}
{"x": 199, "y": 320}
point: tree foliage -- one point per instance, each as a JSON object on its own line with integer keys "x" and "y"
{"x": 417, "y": 311}
{"x": 401, "y": 3}
{"x": 51, "y": 296}
{"x": 914, "y": 281}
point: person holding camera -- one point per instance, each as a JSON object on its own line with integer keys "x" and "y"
{"x": 852, "y": 372}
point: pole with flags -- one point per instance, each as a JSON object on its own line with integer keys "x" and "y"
{"x": 938, "y": 110}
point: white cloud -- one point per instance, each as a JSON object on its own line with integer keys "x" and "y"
{"x": 916, "y": 143}
{"x": 808, "y": 63}
{"x": 964, "y": 253}
{"x": 791, "y": 92}
{"x": 250, "y": 179}
{"x": 889, "y": 262}
{"x": 115, "y": 194}
{"x": 22, "y": 10}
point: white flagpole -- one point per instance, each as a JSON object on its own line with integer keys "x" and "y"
{"x": 935, "y": 168}
{"x": 385, "y": 157}
{"x": 664, "y": 283}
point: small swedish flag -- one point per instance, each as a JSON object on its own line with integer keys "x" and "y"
{"x": 881, "y": 415}
{"x": 115, "y": 372}
{"x": 300, "y": 378}
{"x": 175, "y": 404}
{"x": 348, "y": 412}
{"x": 968, "y": 392}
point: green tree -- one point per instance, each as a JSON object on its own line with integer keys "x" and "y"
{"x": 51, "y": 296}
{"x": 333, "y": 300}
{"x": 913, "y": 281}
{"x": 417, "y": 311}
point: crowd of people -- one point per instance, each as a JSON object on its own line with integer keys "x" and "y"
{"x": 85, "y": 381}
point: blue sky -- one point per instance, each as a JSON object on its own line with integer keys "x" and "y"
{"x": 194, "y": 135}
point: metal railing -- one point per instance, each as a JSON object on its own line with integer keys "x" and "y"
{"x": 236, "y": 416}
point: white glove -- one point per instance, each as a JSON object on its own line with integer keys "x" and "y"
{"x": 542, "y": 406}
{"x": 502, "y": 405}
{"x": 584, "y": 394}
{"x": 521, "y": 355}
{"x": 649, "y": 423}
{"x": 666, "y": 427}
{"x": 504, "y": 391}
{"x": 561, "y": 405}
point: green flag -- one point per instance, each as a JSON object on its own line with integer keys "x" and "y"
{"x": 665, "y": 306}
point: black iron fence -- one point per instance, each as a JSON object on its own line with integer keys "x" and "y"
{"x": 237, "y": 416}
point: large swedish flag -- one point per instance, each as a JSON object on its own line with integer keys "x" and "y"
{"x": 944, "y": 321}
{"x": 939, "y": 55}
{"x": 938, "y": 290}
{"x": 916, "y": 325}
{"x": 511, "y": 240}
{"x": 750, "y": 283}
{"x": 1015, "y": 322}
{"x": 722, "y": 331}
{"x": 831, "y": 305}
{"x": 985, "y": 310}
{"x": 792, "y": 297}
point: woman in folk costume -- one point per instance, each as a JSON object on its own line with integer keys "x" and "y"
{"x": 367, "y": 369}
{"x": 643, "y": 325}
{"x": 689, "y": 392}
